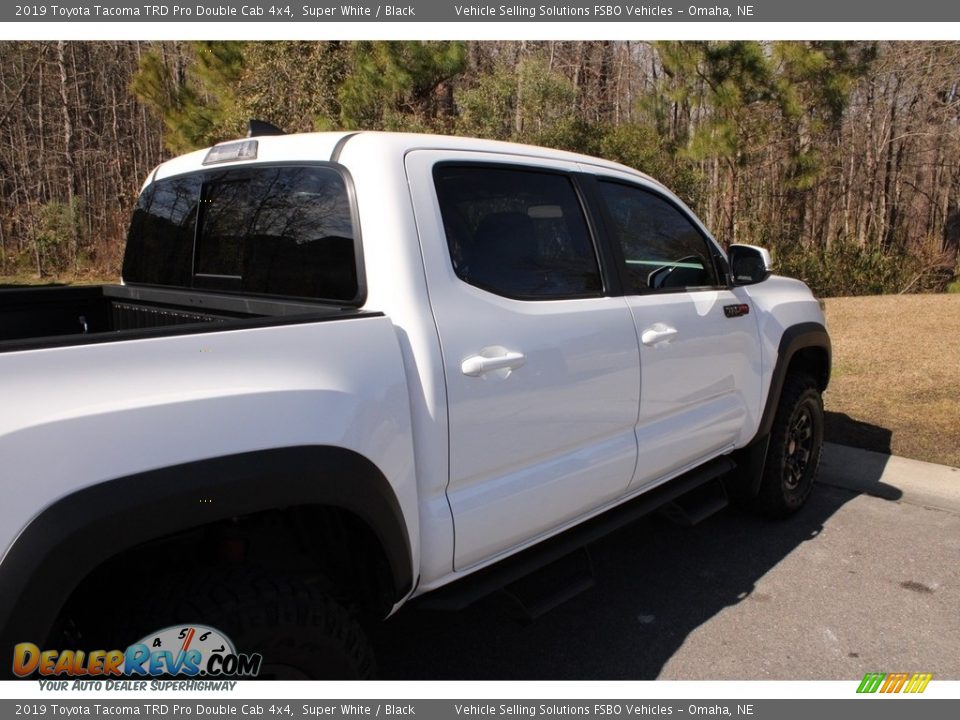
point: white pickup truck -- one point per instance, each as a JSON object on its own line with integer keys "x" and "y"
{"x": 345, "y": 370}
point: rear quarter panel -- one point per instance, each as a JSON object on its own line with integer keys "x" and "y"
{"x": 75, "y": 416}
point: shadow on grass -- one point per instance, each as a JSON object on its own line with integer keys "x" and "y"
{"x": 842, "y": 429}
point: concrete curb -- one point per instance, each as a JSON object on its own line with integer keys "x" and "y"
{"x": 891, "y": 477}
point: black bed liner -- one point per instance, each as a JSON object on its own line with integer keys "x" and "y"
{"x": 35, "y": 318}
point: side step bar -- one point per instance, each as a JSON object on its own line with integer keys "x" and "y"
{"x": 697, "y": 505}
{"x": 462, "y": 593}
{"x": 542, "y": 590}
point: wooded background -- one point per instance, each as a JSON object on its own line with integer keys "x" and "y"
{"x": 843, "y": 158}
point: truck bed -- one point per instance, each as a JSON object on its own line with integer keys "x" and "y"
{"x": 34, "y": 318}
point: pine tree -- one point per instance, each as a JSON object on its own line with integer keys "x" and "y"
{"x": 401, "y": 85}
{"x": 194, "y": 91}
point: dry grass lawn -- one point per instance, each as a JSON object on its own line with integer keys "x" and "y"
{"x": 22, "y": 279}
{"x": 895, "y": 386}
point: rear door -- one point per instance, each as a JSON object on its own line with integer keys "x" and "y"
{"x": 541, "y": 366}
{"x": 699, "y": 339}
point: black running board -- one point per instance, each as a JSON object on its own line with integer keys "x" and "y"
{"x": 462, "y": 593}
{"x": 552, "y": 585}
{"x": 694, "y": 507}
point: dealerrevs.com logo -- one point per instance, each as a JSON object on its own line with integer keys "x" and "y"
{"x": 179, "y": 650}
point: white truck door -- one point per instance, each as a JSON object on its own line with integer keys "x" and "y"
{"x": 699, "y": 340}
{"x": 542, "y": 368}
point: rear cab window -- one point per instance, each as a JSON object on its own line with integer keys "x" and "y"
{"x": 287, "y": 231}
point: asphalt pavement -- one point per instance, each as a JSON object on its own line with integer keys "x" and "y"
{"x": 866, "y": 578}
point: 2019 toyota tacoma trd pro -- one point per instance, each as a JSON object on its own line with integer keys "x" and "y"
{"x": 345, "y": 370}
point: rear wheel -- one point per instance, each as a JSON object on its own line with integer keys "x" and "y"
{"x": 295, "y": 624}
{"x": 793, "y": 455}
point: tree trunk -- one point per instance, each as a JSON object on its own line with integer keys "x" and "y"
{"x": 69, "y": 160}
{"x": 518, "y": 100}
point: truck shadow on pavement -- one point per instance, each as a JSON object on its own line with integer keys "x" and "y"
{"x": 656, "y": 582}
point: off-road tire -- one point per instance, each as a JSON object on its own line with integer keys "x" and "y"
{"x": 301, "y": 632}
{"x": 793, "y": 455}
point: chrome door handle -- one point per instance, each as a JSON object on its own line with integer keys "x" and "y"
{"x": 477, "y": 365}
{"x": 657, "y": 333}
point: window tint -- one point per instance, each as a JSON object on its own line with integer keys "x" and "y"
{"x": 160, "y": 242}
{"x": 517, "y": 233}
{"x": 271, "y": 231}
{"x": 662, "y": 248}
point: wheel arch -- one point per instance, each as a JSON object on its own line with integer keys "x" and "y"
{"x": 804, "y": 347}
{"x": 80, "y": 532}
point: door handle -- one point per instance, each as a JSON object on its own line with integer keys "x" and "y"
{"x": 477, "y": 365}
{"x": 657, "y": 333}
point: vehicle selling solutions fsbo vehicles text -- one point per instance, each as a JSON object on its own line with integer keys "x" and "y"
{"x": 607, "y": 10}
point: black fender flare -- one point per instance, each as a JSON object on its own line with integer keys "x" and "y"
{"x": 74, "y": 535}
{"x": 794, "y": 339}
{"x": 752, "y": 458}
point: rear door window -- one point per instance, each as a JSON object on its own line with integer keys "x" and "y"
{"x": 520, "y": 233}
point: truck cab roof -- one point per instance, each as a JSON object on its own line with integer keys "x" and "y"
{"x": 326, "y": 147}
